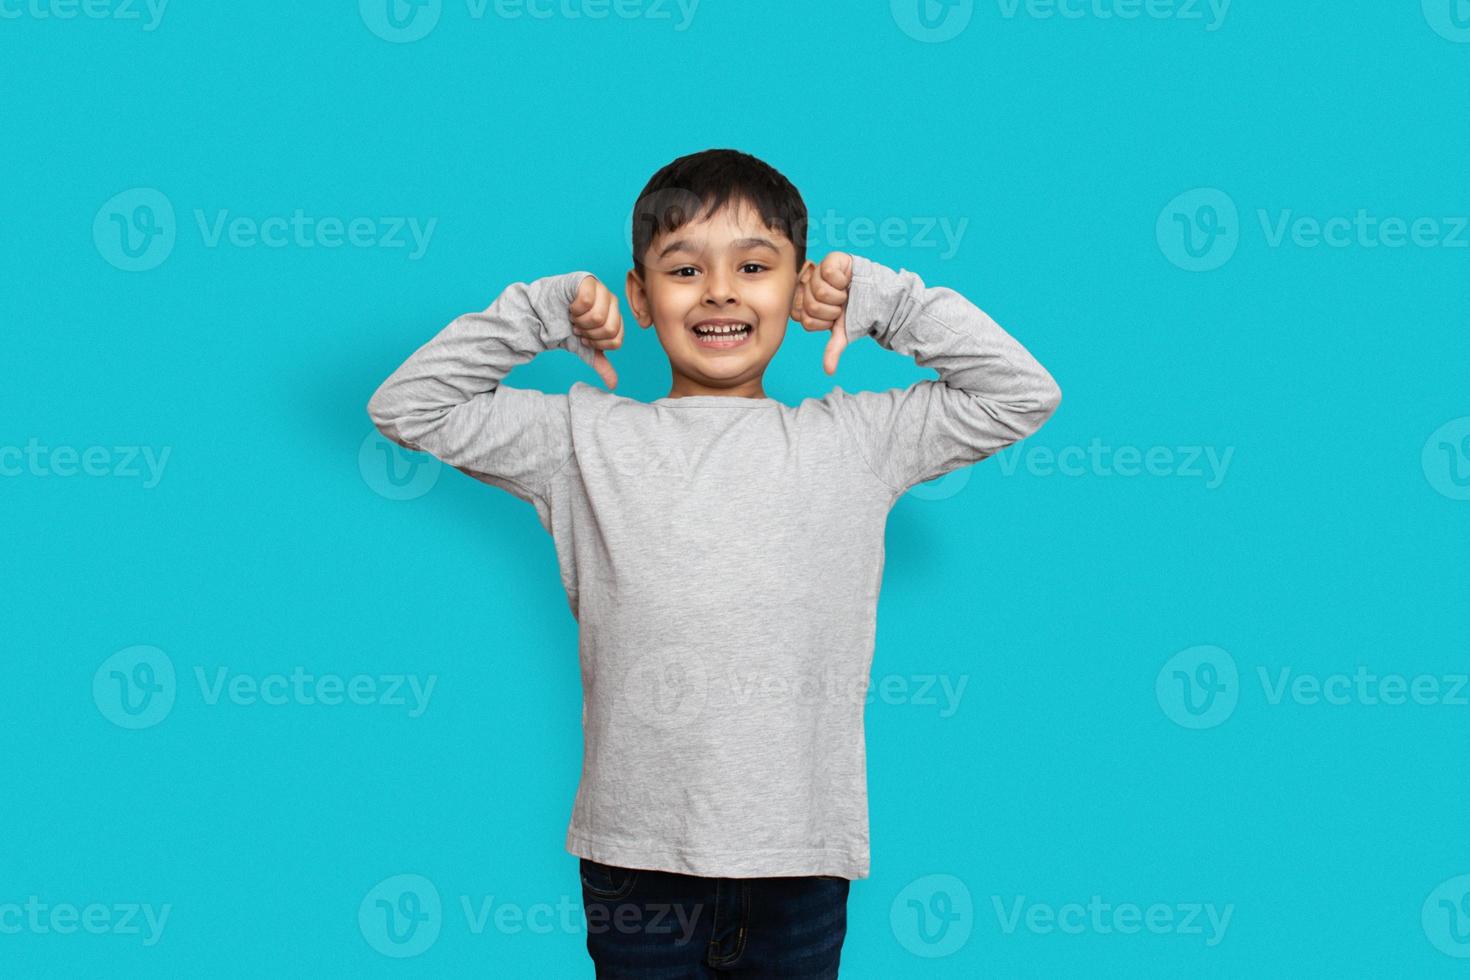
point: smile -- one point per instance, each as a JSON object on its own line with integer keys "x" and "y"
{"x": 722, "y": 335}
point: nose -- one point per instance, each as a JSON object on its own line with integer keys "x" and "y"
{"x": 719, "y": 289}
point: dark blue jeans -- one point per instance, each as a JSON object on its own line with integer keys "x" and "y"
{"x": 659, "y": 925}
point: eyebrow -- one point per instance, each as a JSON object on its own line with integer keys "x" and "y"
{"x": 684, "y": 245}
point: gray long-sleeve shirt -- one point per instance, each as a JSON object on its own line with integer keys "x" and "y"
{"x": 722, "y": 556}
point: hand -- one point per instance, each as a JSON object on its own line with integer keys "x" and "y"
{"x": 821, "y": 302}
{"x": 598, "y": 321}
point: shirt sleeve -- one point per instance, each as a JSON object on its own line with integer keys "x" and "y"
{"x": 990, "y": 393}
{"x": 447, "y": 400}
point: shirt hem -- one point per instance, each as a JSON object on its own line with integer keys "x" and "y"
{"x": 764, "y": 863}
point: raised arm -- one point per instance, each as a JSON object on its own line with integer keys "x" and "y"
{"x": 446, "y": 399}
{"x": 991, "y": 392}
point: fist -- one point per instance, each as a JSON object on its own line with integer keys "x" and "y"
{"x": 821, "y": 302}
{"x": 596, "y": 319}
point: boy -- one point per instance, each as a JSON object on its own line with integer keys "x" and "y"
{"x": 721, "y": 551}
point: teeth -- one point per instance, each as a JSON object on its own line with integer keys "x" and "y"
{"x": 722, "y": 329}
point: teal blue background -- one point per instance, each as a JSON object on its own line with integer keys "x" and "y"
{"x": 1061, "y": 775}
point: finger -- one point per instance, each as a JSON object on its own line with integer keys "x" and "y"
{"x": 586, "y": 293}
{"x": 615, "y": 327}
{"x": 836, "y": 268}
{"x": 610, "y": 336}
{"x": 802, "y": 313}
{"x": 597, "y": 316}
{"x": 605, "y": 370}
{"x": 835, "y": 346}
{"x": 605, "y": 325}
{"x": 815, "y": 324}
{"x": 825, "y": 312}
{"x": 594, "y": 313}
{"x": 827, "y": 292}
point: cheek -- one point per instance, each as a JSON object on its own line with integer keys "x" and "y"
{"x": 671, "y": 309}
{"x": 775, "y": 303}
{"x": 676, "y": 302}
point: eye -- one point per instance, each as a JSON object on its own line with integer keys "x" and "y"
{"x": 683, "y": 268}
{"x": 755, "y": 265}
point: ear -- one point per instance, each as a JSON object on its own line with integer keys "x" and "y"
{"x": 802, "y": 275}
{"x": 638, "y": 299}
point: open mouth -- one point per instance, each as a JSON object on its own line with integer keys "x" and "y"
{"x": 722, "y": 335}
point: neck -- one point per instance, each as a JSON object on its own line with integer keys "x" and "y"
{"x": 686, "y": 387}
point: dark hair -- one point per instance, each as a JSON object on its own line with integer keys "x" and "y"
{"x": 699, "y": 184}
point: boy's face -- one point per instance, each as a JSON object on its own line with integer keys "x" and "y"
{"x": 729, "y": 266}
